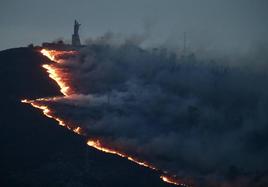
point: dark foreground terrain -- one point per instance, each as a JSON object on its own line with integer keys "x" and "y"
{"x": 36, "y": 151}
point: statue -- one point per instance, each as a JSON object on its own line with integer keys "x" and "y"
{"x": 75, "y": 36}
{"x": 76, "y": 27}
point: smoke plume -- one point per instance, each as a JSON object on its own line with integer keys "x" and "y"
{"x": 200, "y": 119}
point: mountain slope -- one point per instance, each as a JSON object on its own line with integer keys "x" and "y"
{"x": 36, "y": 151}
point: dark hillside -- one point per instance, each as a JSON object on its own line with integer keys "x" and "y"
{"x": 35, "y": 151}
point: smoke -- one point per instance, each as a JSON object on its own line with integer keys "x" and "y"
{"x": 204, "y": 120}
{"x": 118, "y": 39}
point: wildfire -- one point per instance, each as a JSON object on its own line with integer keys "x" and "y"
{"x": 78, "y": 130}
{"x": 46, "y": 111}
{"x": 54, "y": 55}
{"x": 97, "y": 145}
{"x": 53, "y": 72}
{"x": 50, "y": 54}
{"x": 57, "y": 75}
{"x": 171, "y": 181}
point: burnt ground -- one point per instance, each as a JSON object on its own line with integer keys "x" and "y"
{"x": 36, "y": 151}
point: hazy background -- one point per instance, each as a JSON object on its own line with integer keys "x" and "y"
{"x": 221, "y": 25}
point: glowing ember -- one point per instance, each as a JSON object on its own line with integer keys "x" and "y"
{"x": 78, "y": 130}
{"x": 56, "y": 75}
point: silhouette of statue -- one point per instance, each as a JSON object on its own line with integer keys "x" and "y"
{"x": 75, "y": 37}
{"x": 76, "y": 27}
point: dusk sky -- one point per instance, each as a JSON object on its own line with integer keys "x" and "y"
{"x": 211, "y": 24}
{"x": 134, "y": 93}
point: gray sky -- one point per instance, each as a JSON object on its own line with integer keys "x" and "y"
{"x": 211, "y": 24}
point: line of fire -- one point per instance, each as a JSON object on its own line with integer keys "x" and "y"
{"x": 53, "y": 51}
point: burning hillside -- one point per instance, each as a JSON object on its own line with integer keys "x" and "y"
{"x": 61, "y": 79}
{"x": 38, "y": 152}
{"x": 168, "y": 114}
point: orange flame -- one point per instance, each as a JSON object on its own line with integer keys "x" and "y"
{"x": 54, "y": 55}
{"x": 46, "y": 111}
{"x": 97, "y": 145}
{"x": 78, "y": 130}
{"x": 171, "y": 181}
{"x": 56, "y": 75}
